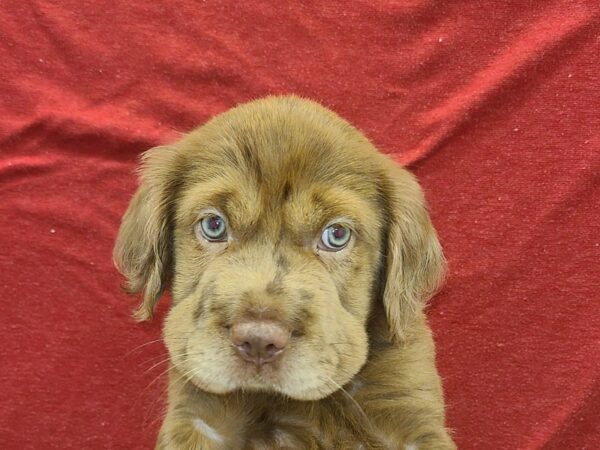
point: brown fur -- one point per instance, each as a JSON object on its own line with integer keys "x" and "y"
{"x": 359, "y": 370}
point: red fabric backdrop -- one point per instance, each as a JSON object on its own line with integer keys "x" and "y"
{"x": 495, "y": 105}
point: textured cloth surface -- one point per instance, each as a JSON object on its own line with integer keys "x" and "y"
{"x": 494, "y": 105}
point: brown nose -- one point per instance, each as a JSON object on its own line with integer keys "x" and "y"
{"x": 259, "y": 341}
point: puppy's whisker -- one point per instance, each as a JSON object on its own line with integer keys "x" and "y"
{"x": 155, "y": 398}
{"x": 347, "y": 395}
{"x": 184, "y": 375}
{"x": 162, "y": 361}
{"x": 142, "y": 346}
{"x": 160, "y": 375}
{"x": 152, "y": 359}
{"x": 155, "y": 401}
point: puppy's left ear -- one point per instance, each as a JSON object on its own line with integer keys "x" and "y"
{"x": 414, "y": 262}
{"x": 143, "y": 251}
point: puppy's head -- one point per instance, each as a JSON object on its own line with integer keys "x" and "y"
{"x": 278, "y": 228}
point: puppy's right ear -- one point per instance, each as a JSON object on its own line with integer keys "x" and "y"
{"x": 143, "y": 250}
{"x": 414, "y": 259}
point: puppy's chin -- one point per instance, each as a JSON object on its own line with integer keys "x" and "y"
{"x": 289, "y": 380}
{"x": 261, "y": 385}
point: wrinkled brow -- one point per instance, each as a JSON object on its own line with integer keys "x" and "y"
{"x": 304, "y": 214}
{"x": 315, "y": 208}
{"x": 235, "y": 197}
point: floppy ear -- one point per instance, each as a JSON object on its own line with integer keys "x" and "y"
{"x": 143, "y": 250}
{"x": 414, "y": 262}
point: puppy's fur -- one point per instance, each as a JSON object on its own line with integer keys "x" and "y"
{"x": 358, "y": 371}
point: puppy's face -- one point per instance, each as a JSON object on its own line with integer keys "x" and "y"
{"x": 277, "y": 225}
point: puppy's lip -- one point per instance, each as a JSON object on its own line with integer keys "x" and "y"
{"x": 262, "y": 367}
{"x": 265, "y": 377}
{"x": 265, "y": 371}
{"x": 270, "y": 381}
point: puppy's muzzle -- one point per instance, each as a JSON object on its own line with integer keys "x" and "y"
{"x": 259, "y": 341}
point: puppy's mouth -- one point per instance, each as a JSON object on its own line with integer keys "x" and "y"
{"x": 281, "y": 377}
{"x": 262, "y": 350}
{"x": 262, "y": 377}
{"x": 292, "y": 370}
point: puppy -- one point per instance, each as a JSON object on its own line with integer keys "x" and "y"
{"x": 299, "y": 259}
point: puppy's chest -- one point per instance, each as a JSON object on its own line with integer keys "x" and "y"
{"x": 320, "y": 431}
{"x": 295, "y": 433}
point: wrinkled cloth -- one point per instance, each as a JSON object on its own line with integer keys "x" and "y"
{"x": 494, "y": 105}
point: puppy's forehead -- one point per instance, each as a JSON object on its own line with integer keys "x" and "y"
{"x": 281, "y": 141}
{"x": 266, "y": 154}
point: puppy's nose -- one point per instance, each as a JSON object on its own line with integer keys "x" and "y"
{"x": 259, "y": 341}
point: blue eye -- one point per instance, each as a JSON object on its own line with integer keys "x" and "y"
{"x": 213, "y": 228}
{"x": 335, "y": 237}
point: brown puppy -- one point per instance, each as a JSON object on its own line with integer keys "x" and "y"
{"x": 299, "y": 259}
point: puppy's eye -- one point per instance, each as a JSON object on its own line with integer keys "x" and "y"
{"x": 335, "y": 237}
{"x": 212, "y": 228}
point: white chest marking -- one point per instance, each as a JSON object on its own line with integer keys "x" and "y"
{"x": 207, "y": 430}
